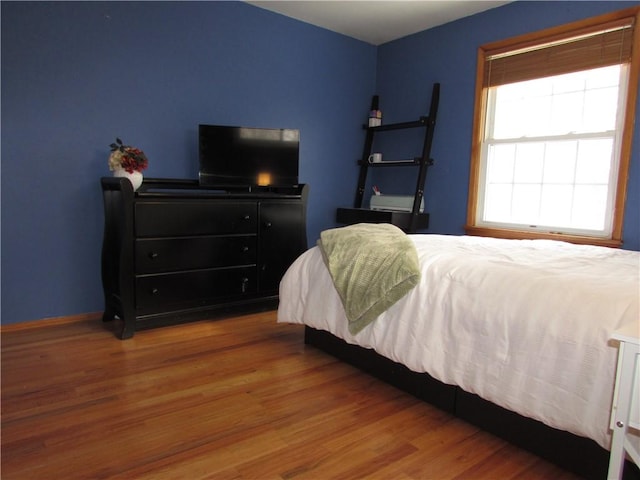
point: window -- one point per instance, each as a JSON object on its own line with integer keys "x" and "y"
{"x": 552, "y": 132}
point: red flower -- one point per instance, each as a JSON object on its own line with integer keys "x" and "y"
{"x": 129, "y": 158}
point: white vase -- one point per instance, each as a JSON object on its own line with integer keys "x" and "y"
{"x": 135, "y": 177}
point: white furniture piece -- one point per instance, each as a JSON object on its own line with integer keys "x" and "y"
{"x": 625, "y": 412}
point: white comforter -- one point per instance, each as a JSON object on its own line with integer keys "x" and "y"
{"x": 523, "y": 324}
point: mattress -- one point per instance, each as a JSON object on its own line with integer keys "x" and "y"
{"x": 524, "y": 324}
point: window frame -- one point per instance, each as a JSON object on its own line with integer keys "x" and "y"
{"x": 480, "y": 110}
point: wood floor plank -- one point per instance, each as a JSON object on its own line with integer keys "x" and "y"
{"x": 237, "y": 398}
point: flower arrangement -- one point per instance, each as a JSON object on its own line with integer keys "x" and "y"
{"x": 126, "y": 157}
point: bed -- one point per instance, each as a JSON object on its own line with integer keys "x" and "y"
{"x": 517, "y": 329}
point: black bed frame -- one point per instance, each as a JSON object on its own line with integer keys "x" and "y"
{"x": 579, "y": 455}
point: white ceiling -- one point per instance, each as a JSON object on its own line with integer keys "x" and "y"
{"x": 377, "y": 21}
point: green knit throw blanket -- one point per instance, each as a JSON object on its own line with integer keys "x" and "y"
{"x": 372, "y": 267}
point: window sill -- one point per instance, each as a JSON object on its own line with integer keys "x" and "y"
{"x": 527, "y": 235}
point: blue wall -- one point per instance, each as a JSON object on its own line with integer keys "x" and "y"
{"x": 77, "y": 74}
{"x": 447, "y": 54}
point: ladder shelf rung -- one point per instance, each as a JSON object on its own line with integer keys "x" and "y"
{"x": 422, "y": 122}
{"x": 416, "y": 161}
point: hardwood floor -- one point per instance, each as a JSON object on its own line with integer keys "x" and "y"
{"x": 239, "y": 398}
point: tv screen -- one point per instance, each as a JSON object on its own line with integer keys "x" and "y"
{"x": 248, "y": 157}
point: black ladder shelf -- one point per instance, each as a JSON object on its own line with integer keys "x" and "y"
{"x": 408, "y": 221}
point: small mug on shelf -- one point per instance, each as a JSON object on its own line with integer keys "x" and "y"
{"x": 375, "y": 158}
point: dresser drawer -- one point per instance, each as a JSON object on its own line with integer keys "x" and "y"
{"x": 187, "y": 217}
{"x": 172, "y": 254}
{"x": 161, "y": 290}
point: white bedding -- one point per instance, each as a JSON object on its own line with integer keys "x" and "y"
{"x": 522, "y": 323}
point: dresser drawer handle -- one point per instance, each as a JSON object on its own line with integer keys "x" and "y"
{"x": 154, "y": 291}
{"x": 245, "y": 285}
{"x": 153, "y": 255}
{"x": 246, "y": 217}
{"x": 245, "y": 249}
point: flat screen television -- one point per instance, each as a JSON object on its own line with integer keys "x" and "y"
{"x": 241, "y": 157}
